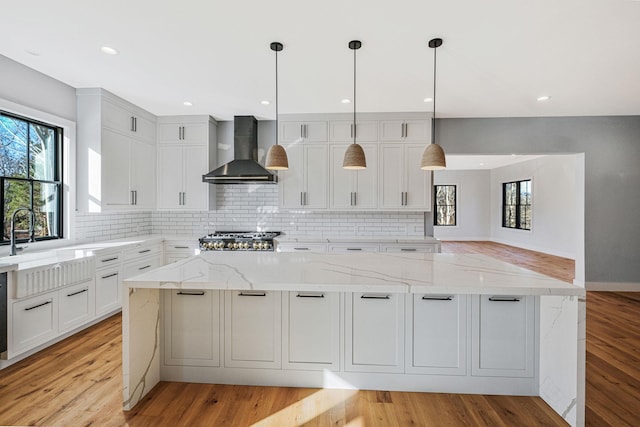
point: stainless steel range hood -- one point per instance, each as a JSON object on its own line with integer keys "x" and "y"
{"x": 244, "y": 168}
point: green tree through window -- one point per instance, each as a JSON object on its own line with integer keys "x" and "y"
{"x": 516, "y": 205}
{"x": 445, "y": 205}
{"x": 30, "y": 176}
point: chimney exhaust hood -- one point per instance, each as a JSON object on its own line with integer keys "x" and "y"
{"x": 244, "y": 168}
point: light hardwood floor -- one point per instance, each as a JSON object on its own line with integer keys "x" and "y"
{"x": 77, "y": 382}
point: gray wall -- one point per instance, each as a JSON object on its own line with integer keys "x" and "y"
{"x": 612, "y": 176}
{"x": 25, "y": 86}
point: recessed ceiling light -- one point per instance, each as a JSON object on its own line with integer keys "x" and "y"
{"x": 544, "y": 98}
{"x": 187, "y": 104}
{"x": 481, "y": 164}
{"x": 428, "y": 100}
{"x": 265, "y": 102}
{"x": 108, "y": 50}
{"x": 345, "y": 101}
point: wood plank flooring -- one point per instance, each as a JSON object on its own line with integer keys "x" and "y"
{"x": 77, "y": 382}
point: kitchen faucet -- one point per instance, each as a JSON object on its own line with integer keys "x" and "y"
{"x": 32, "y": 223}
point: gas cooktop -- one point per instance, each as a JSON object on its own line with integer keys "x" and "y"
{"x": 238, "y": 241}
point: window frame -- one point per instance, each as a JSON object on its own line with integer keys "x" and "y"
{"x": 435, "y": 205}
{"x": 519, "y": 224}
{"x": 58, "y": 178}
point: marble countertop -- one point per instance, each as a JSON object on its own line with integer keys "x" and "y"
{"x": 6, "y": 267}
{"x": 356, "y": 239}
{"x": 362, "y": 272}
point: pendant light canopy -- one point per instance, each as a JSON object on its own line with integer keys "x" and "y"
{"x": 433, "y": 156}
{"x": 276, "y": 156}
{"x": 354, "y": 157}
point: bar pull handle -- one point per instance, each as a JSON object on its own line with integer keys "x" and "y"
{"x": 144, "y": 251}
{"x": 354, "y": 249}
{"x": 145, "y": 267}
{"x": 133, "y": 128}
{"x": 407, "y": 249}
{"x": 300, "y": 249}
{"x": 184, "y": 132}
{"x": 191, "y": 293}
{"x": 181, "y": 247}
{"x": 504, "y": 299}
{"x": 109, "y": 275}
{"x": 310, "y": 295}
{"x": 437, "y": 298}
{"x": 301, "y": 198}
{"x": 372, "y": 296}
{"x": 301, "y": 131}
{"x": 306, "y": 131}
{"x": 109, "y": 259}
{"x": 38, "y": 305}
{"x": 132, "y": 201}
{"x": 78, "y": 292}
{"x": 252, "y": 294}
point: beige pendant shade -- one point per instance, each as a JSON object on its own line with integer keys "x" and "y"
{"x": 277, "y": 158}
{"x": 354, "y": 158}
{"x": 433, "y": 158}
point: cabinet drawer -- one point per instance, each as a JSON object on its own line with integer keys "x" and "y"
{"x": 108, "y": 290}
{"x": 426, "y": 248}
{"x": 142, "y": 265}
{"x": 142, "y": 250}
{"x": 301, "y": 247}
{"x": 108, "y": 260}
{"x": 353, "y": 248}
{"x": 35, "y": 321}
{"x": 76, "y": 305}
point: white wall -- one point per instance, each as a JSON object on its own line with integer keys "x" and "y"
{"x": 555, "y": 200}
{"x": 473, "y": 204}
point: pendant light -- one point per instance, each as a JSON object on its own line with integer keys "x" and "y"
{"x": 354, "y": 155}
{"x": 276, "y": 156}
{"x": 433, "y": 156}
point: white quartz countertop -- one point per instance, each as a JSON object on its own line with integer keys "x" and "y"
{"x": 355, "y": 239}
{"x": 6, "y": 267}
{"x": 362, "y": 272}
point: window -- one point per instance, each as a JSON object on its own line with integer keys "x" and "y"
{"x": 445, "y": 205}
{"x": 30, "y": 177}
{"x": 516, "y": 205}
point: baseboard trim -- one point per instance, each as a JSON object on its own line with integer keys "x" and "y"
{"x": 613, "y": 286}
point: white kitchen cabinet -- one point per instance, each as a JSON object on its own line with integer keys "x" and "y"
{"x": 35, "y": 321}
{"x": 311, "y": 330}
{"x": 374, "y": 332}
{"x": 424, "y": 248}
{"x": 187, "y": 130}
{"x": 304, "y": 185}
{"x": 403, "y": 185}
{"x": 353, "y": 189}
{"x": 116, "y": 154}
{"x": 176, "y": 250}
{"x": 355, "y": 247}
{"x": 141, "y": 258}
{"x": 405, "y": 130}
{"x": 108, "y": 291}
{"x": 192, "y": 322}
{"x": 436, "y": 341}
{"x": 344, "y": 131}
{"x": 503, "y": 338}
{"x": 253, "y": 329}
{"x": 301, "y": 247}
{"x": 300, "y": 131}
{"x": 76, "y": 305}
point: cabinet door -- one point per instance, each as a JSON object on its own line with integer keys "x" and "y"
{"x": 342, "y": 131}
{"x": 341, "y": 181}
{"x": 76, "y": 305}
{"x": 418, "y": 130}
{"x": 291, "y": 132}
{"x": 143, "y": 175}
{"x": 196, "y": 192}
{"x": 169, "y": 132}
{"x": 116, "y": 117}
{"x": 418, "y": 181}
{"x": 391, "y": 130}
{"x": 316, "y": 176}
{"x": 347, "y": 248}
{"x": 291, "y": 181}
{"x": 374, "y": 338}
{"x": 503, "y": 336}
{"x": 116, "y": 166}
{"x": 436, "y": 334}
{"x": 144, "y": 129}
{"x": 391, "y": 176}
{"x": 192, "y": 327}
{"x": 311, "y": 330}
{"x": 196, "y": 134}
{"x": 366, "y": 187}
{"x": 253, "y": 329}
{"x": 35, "y": 321}
{"x": 170, "y": 177}
{"x": 410, "y": 248}
{"x": 108, "y": 293}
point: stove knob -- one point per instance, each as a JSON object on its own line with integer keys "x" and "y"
{"x": 235, "y": 246}
{"x": 229, "y": 245}
{"x": 265, "y": 246}
{"x": 218, "y": 245}
{"x": 245, "y": 245}
{"x": 256, "y": 246}
{"x": 210, "y": 245}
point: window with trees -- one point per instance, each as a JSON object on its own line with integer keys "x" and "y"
{"x": 445, "y": 205}
{"x": 30, "y": 177}
{"x": 516, "y": 205}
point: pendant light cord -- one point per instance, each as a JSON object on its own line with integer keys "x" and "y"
{"x": 433, "y": 119}
{"x": 277, "y": 97}
{"x": 355, "y": 132}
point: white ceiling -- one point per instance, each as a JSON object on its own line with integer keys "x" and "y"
{"x": 498, "y": 56}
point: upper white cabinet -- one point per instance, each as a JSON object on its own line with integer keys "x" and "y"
{"x": 404, "y": 130}
{"x": 116, "y": 154}
{"x": 344, "y": 131}
{"x": 298, "y": 131}
{"x": 403, "y": 185}
{"x": 183, "y": 157}
{"x": 304, "y": 185}
{"x": 353, "y": 189}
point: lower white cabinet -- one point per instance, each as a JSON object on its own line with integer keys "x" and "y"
{"x": 176, "y": 250}
{"x": 409, "y": 248}
{"x": 311, "y": 330}
{"x": 353, "y": 247}
{"x": 192, "y": 320}
{"x": 436, "y": 334}
{"x": 374, "y": 332}
{"x": 301, "y": 247}
{"x": 253, "y": 331}
{"x": 76, "y": 305}
{"x": 504, "y": 335}
{"x": 35, "y": 321}
{"x": 108, "y": 290}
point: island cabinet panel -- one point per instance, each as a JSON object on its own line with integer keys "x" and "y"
{"x": 503, "y": 338}
{"x": 311, "y": 330}
{"x": 253, "y": 331}
{"x": 436, "y": 334}
{"x": 192, "y": 321}
{"x": 374, "y": 332}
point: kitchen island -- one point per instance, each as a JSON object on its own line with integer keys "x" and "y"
{"x": 409, "y": 322}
